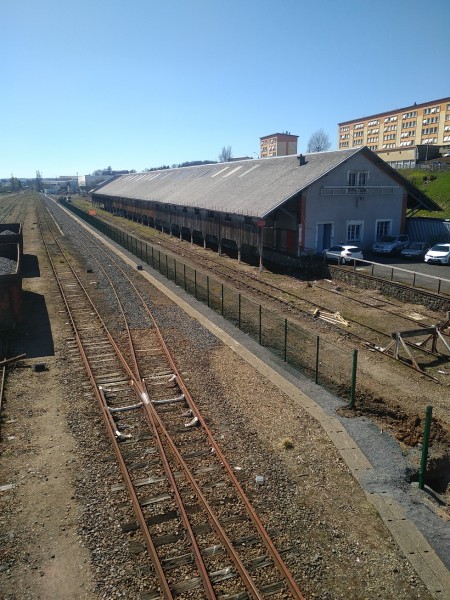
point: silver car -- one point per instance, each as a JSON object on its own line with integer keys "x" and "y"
{"x": 416, "y": 250}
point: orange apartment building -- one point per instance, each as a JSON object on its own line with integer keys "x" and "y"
{"x": 278, "y": 144}
{"x": 404, "y": 136}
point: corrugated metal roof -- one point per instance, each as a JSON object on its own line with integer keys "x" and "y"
{"x": 423, "y": 229}
{"x": 252, "y": 187}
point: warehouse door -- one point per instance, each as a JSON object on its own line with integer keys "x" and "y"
{"x": 324, "y": 236}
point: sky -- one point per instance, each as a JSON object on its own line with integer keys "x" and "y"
{"x": 138, "y": 84}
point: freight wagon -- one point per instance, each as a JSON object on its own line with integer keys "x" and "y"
{"x": 11, "y": 233}
{"x": 10, "y": 285}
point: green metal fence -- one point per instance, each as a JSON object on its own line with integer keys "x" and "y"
{"x": 306, "y": 352}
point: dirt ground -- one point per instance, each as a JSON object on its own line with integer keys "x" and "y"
{"x": 43, "y": 554}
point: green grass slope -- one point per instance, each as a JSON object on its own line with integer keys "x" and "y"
{"x": 436, "y": 185}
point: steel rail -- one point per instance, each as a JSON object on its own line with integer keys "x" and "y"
{"x": 154, "y": 419}
{"x": 5, "y": 339}
{"x": 282, "y": 568}
{"x": 315, "y": 305}
{"x": 112, "y": 433}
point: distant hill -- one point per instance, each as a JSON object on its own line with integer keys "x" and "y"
{"x": 436, "y": 185}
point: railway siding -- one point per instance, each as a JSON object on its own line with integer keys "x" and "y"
{"x": 432, "y": 571}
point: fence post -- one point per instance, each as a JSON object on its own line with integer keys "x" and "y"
{"x": 175, "y": 270}
{"x": 167, "y": 266}
{"x": 153, "y": 257}
{"x": 353, "y": 387}
{"x": 425, "y": 441}
{"x": 260, "y": 325}
{"x": 222, "y": 301}
{"x": 317, "y": 360}
{"x": 146, "y": 253}
{"x": 239, "y": 311}
{"x": 285, "y": 339}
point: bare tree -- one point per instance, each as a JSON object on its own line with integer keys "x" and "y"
{"x": 38, "y": 181}
{"x": 225, "y": 155}
{"x": 319, "y": 141}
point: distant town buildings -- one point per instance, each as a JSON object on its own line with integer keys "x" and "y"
{"x": 403, "y": 136}
{"x": 278, "y": 144}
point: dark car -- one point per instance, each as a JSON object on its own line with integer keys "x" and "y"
{"x": 416, "y": 250}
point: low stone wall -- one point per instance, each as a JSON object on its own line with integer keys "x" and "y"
{"x": 391, "y": 288}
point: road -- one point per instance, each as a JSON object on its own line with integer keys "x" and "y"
{"x": 418, "y": 273}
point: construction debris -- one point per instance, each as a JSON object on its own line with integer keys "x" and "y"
{"x": 335, "y": 318}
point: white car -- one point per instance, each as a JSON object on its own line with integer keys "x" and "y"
{"x": 439, "y": 253}
{"x": 343, "y": 253}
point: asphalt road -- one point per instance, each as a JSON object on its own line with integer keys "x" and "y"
{"x": 433, "y": 277}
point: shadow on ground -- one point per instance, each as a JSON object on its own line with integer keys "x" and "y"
{"x": 33, "y": 334}
{"x": 30, "y": 266}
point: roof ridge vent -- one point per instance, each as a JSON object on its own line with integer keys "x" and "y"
{"x": 301, "y": 160}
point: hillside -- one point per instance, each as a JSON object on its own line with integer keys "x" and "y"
{"x": 436, "y": 184}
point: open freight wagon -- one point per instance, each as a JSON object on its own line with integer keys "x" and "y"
{"x": 11, "y": 250}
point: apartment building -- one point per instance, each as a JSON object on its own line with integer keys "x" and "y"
{"x": 402, "y": 136}
{"x": 278, "y": 144}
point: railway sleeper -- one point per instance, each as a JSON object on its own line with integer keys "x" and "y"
{"x": 125, "y": 408}
{"x": 169, "y": 400}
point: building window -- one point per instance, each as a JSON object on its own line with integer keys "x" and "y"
{"x": 382, "y": 228}
{"x": 354, "y": 231}
{"x": 357, "y": 178}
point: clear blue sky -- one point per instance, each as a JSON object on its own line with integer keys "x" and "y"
{"x": 88, "y": 84}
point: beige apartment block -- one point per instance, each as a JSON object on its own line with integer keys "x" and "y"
{"x": 403, "y": 136}
{"x": 278, "y": 144}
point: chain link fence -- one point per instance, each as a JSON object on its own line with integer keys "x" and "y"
{"x": 326, "y": 363}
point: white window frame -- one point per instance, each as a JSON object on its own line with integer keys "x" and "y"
{"x": 361, "y": 178}
{"x": 353, "y": 224}
{"x": 378, "y": 222}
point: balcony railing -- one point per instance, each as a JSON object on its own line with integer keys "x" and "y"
{"x": 344, "y": 190}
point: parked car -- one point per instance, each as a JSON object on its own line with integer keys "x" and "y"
{"x": 439, "y": 253}
{"x": 415, "y": 250}
{"x": 390, "y": 244}
{"x": 343, "y": 253}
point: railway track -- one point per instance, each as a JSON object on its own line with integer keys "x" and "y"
{"x": 359, "y": 330}
{"x": 198, "y": 527}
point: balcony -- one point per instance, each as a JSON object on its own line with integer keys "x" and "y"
{"x": 347, "y": 190}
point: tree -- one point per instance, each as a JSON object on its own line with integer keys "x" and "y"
{"x": 38, "y": 181}
{"x": 225, "y": 155}
{"x": 15, "y": 184}
{"x": 319, "y": 141}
